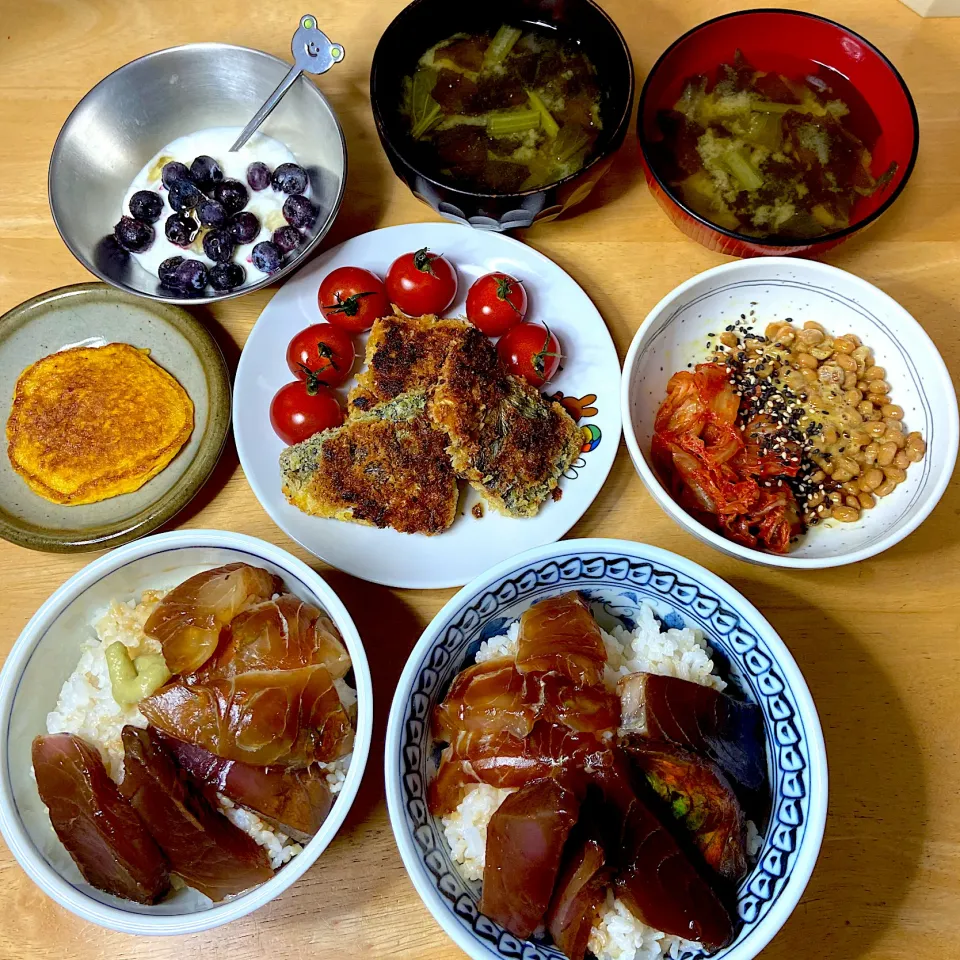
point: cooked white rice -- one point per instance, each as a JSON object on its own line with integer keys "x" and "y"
{"x": 683, "y": 653}
{"x": 86, "y": 708}
{"x": 647, "y": 648}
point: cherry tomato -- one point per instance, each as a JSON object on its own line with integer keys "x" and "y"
{"x": 531, "y": 351}
{"x": 322, "y": 353}
{"x": 496, "y": 302}
{"x": 299, "y": 411}
{"x": 422, "y": 282}
{"x": 352, "y": 298}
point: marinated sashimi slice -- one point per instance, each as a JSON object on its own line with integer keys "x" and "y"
{"x": 279, "y": 634}
{"x": 503, "y": 760}
{"x": 494, "y": 697}
{"x": 295, "y": 801}
{"x": 583, "y": 709}
{"x": 188, "y": 620}
{"x": 525, "y": 842}
{"x": 662, "y": 888}
{"x": 580, "y": 891}
{"x": 487, "y": 697}
{"x": 729, "y": 732}
{"x": 286, "y": 717}
{"x": 700, "y": 797}
{"x": 101, "y": 831}
{"x": 559, "y": 635}
{"x": 202, "y": 845}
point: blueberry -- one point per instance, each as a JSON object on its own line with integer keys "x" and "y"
{"x": 133, "y": 235}
{"x": 299, "y": 211}
{"x": 218, "y": 246}
{"x": 181, "y": 229}
{"x": 173, "y": 171}
{"x": 258, "y": 175}
{"x": 232, "y": 194}
{"x": 167, "y": 269}
{"x": 211, "y": 213}
{"x": 205, "y": 172}
{"x": 244, "y": 227}
{"x": 226, "y": 276}
{"x": 289, "y": 178}
{"x": 266, "y": 257}
{"x": 190, "y": 276}
{"x": 146, "y": 205}
{"x": 287, "y": 239}
{"x": 183, "y": 195}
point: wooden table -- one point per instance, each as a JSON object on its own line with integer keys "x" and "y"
{"x": 877, "y": 642}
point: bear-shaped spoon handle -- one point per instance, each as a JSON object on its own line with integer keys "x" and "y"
{"x": 313, "y": 52}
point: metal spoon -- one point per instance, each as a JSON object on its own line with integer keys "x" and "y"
{"x": 313, "y": 52}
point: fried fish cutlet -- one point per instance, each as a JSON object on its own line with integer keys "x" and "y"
{"x": 91, "y": 423}
{"x": 386, "y": 467}
{"x": 404, "y": 355}
{"x": 504, "y": 437}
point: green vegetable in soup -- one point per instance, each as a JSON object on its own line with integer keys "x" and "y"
{"x": 766, "y": 155}
{"x": 550, "y": 126}
{"x": 512, "y": 121}
{"x": 424, "y": 111}
{"x": 132, "y": 680}
{"x": 501, "y": 45}
{"x": 501, "y": 112}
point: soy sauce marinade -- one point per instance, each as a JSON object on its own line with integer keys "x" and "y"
{"x": 502, "y": 112}
{"x": 769, "y": 154}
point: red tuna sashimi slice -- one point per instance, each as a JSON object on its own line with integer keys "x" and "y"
{"x": 188, "y": 620}
{"x": 108, "y": 841}
{"x": 525, "y": 841}
{"x": 279, "y": 634}
{"x": 286, "y": 717}
{"x": 579, "y": 893}
{"x": 662, "y": 888}
{"x": 202, "y": 845}
{"x": 559, "y": 635}
{"x": 700, "y": 797}
{"x": 729, "y": 732}
{"x": 295, "y": 801}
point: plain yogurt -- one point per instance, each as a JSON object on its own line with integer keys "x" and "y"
{"x": 215, "y": 142}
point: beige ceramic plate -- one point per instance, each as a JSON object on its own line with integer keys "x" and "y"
{"x": 94, "y": 313}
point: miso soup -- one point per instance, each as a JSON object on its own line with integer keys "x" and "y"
{"x": 503, "y": 112}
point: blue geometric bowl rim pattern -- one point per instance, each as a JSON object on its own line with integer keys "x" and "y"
{"x": 759, "y": 664}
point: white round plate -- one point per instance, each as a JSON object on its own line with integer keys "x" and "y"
{"x": 590, "y": 373}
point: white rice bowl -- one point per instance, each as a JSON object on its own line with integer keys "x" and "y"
{"x": 648, "y": 648}
{"x": 86, "y": 708}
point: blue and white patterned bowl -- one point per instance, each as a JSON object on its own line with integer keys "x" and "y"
{"x": 621, "y": 575}
{"x": 674, "y": 336}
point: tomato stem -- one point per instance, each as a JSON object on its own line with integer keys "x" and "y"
{"x": 504, "y": 289}
{"x": 312, "y": 384}
{"x": 423, "y": 261}
{"x": 349, "y": 306}
{"x": 540, "y": 358}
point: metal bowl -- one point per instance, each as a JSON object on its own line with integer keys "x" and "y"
{"x": 139, "y": 108}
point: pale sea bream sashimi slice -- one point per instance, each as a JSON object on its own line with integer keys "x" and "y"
{"x": 188, "y": 620}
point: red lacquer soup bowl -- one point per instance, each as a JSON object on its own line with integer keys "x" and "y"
{"x": 796, "y": 45}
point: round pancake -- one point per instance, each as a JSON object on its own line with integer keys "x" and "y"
{"x": 91, "y": 423}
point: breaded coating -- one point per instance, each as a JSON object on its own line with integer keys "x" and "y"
{"x": 386, "y": 467}
{"x": 504, "y": 437}
{"x": 404, "y": 355}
